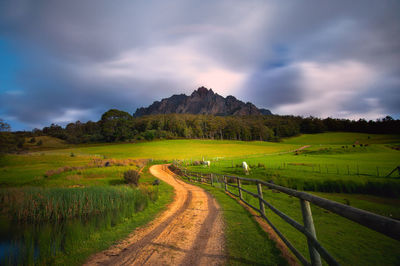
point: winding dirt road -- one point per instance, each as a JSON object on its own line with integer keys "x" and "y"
{"x": 189, "y": 232}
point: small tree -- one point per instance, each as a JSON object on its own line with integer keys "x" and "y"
{"x": 132, "y": 177}
{"x": 39, "y": 143}
{"x": 32, "y": 140}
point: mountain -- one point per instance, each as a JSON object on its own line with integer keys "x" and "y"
{"x": 201, "y": 101}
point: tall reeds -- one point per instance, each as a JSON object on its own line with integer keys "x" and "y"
{"x": 43, "y": 204}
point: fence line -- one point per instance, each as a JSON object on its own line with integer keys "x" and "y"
{"x": 381, "y": 224}
{"x": 333, "y": 169}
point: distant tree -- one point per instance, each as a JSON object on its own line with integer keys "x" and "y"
{"x": 116, "y": 125}
{"x": 4, "y": 127}
{"x": 9, "y": 142}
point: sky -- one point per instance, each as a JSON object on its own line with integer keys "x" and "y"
{"x": 63, "y": 61}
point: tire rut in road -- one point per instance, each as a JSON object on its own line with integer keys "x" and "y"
{"x": 136, "y": 247}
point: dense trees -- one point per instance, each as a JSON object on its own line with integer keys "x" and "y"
{"x": 116, "y": 125}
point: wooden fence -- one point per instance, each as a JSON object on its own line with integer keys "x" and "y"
{"x": 381, "y": 224}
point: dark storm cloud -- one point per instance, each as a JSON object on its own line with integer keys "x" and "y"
{"x": 80, "y": 58}
{"x": 334, "y": 35}
{"x": 274, "y": 87}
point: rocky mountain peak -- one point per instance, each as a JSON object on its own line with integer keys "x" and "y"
{"x": 201, "y": 101}
{"x": 202, "y": 92}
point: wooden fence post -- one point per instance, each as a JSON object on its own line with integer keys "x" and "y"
{"x": 239, "y": 188}
{"x": 309, "y": 225}
{"x": 211, "y": 178}
{"x": 260, "y": 196}
{"x": 225, "y": 181}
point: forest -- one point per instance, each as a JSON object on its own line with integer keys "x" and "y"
{"x": 119, "y": 126}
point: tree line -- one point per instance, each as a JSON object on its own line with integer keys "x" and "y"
{"x": 116, "y": 125}
{"x": 119, "y": 126}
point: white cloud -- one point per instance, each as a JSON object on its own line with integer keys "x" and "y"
{"x": 179, "y": 62}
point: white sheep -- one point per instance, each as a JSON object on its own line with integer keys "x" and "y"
{"x": 245, "y": 167}
{"x": 206, "y": 163}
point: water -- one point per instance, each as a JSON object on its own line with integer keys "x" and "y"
{"x": 28, "y": 244}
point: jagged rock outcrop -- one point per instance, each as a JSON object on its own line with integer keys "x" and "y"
{"x": 201, "y": 101}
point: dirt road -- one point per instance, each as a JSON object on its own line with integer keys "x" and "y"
{"x": 189, "y": 232}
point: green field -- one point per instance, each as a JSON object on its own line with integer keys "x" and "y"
{"x": 181, "y": 149}
{"x": 324, "y": 167}
{"x": 342, "y": 138}
{"x": 330, "y": 164}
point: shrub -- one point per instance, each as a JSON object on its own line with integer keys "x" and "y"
{"x": 32, "y": 140}
{"x": 132, "y": 177}
{"x": 39, "y": 143}
{"x": 196, "y": 163}
{"x": 149, "y": 134}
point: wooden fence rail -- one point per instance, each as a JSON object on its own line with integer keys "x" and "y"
{"x": 381, "y": 224}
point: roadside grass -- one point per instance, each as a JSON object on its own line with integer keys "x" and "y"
{"x": 246, "y": 242}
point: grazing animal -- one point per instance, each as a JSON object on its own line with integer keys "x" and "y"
{"x": 245, "y": 167}
{"x": 207, "y": 163}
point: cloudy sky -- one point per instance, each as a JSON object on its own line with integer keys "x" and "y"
{"x": 64, "y": 61}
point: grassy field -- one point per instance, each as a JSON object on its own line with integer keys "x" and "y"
{"x": 342, "y": 138}
{"x": 35, "y": 164}
{"x": 330, "y": 163}
{"x": 325, "y": 167}
{"x": 349, "y": 242}
{"x": 180, "y": 149}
